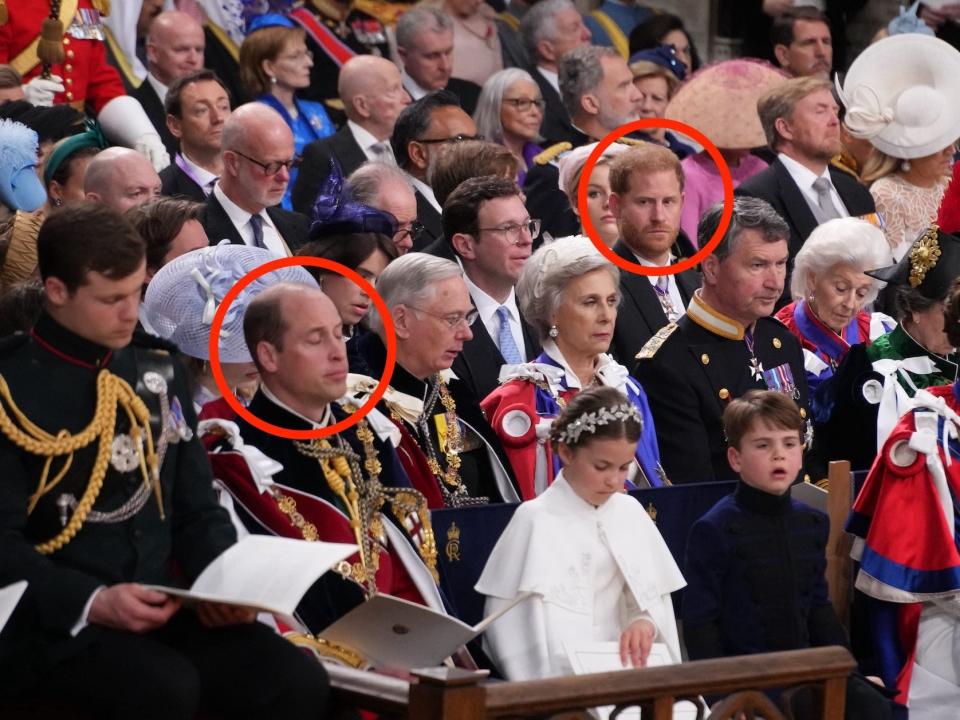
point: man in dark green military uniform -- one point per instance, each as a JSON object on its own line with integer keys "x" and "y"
{"x": 724, "y": 345}
{"x": 105, "y": 489}
{"x": 870, "y": 390}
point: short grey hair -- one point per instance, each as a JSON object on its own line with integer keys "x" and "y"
{"x": 749, "y": 213}
{"x": 409, "y": 280}
{"x": 366, "y": 180}
{"x": 844, "y": 241}
{"x": 540, "y": 23}
{"x": 490, "y": 103}
{"x": 547, "y": 273}
{"x": 420, "y": 19}
{"x": 581, "y": 72}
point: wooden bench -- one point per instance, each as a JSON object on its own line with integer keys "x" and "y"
{"x": 450, "y": 694}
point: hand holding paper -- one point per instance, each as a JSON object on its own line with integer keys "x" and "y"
{"x": 263, "y": 572}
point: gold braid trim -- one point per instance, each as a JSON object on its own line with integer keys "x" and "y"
{"x": 112, "y": 391}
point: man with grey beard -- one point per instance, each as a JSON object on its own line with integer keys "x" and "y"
{"x": 597, "y": 89}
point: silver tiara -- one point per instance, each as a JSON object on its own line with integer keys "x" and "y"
{"x": 589, "y": 422}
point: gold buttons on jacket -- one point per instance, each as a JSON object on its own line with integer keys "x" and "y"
{"x": 68, "y": 68}
{"x": 777, "y": 343}
{"x": 724, "y": 393}
{"x": 803, "y": 413}
{"x": 705, "y": 359}
{"x": 69, "y": 95}
{"x": 69, "y": 54}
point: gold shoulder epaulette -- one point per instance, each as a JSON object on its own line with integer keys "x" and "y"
{"x": 654, "y": 343}
{"x": 551, "y": 153}
{"x": 629, "y": 141}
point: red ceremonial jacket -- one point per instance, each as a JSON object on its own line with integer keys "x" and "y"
{"x": 88, "y": 77}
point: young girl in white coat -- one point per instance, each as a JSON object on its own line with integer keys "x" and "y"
{"x": 595, "y": 562}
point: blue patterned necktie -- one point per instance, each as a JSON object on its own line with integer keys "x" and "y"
{"x": 256, "y": 222}
{"x": 508, "y": 347}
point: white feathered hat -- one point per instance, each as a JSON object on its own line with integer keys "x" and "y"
{"x": 902, "y": 94}
{"x": 184, "y": 295}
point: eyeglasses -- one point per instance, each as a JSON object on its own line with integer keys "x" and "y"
{"x": 455, "y": 139}
{"x": 453, "y": 320}
{"x": 414, "y": 232}
{"x": 512, "y": 232}
{"x": 273, "y": 167}
{"x": 524, "y": 104}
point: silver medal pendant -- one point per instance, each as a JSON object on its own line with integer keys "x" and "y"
{"x": 124, "y": 456}
{"x": 756, "y": 369}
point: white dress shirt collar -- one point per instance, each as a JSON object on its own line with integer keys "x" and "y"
{"x": 158, "y": 87}
{"x": 412, "y": 86}
{"x": 203, "y": 177}
{"x": 427, "y": 192}
{"x": 551, "y": 77}
{"x": 241, "y": 221}
{"x": 804, "y": 178}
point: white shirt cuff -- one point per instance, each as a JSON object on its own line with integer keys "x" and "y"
{"x": 85, "y": 615}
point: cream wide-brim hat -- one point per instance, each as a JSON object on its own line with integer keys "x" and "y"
{"x": 903, "y": 95}
{"x": 721, "y": 102}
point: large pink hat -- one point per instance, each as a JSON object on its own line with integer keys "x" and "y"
{"x": 721, "y": 102}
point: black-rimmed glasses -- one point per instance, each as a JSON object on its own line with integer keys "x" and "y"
{"x": 524, "y": 104}
{"x": 413, "y": 232}
{"x": 273, "y": 167}
{"x": 455, "y": 139}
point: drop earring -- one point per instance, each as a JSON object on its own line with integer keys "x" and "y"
{"x": 554, "y": 331}
{"x": 905, "y": 166}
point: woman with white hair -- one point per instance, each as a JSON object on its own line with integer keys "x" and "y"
{"x": 182, "y": 299}
{"x": 569, "y": 293}
{"x": 598, "y": 187}
{"x": 830, "y": 291}
{"x": 509, "y": 112}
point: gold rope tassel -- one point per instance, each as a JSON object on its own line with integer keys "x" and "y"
{"x": 50, "y": 47}
{"x": 102, "y": 7}
{"x": 112, "y": 392}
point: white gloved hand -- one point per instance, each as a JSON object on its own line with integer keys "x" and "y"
{"x": 151, "y": 147}
{"x": 125, "y": 123}
{"x": 40, "y": 91}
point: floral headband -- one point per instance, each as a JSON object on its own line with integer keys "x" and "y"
{"x": 589, "y": 422}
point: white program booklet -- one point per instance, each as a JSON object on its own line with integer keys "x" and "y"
{"x": 599, "y": 657}
{"x": 9, "y": 597}
{"x": 264, "y": 572}
{"x": 391, "y": 633}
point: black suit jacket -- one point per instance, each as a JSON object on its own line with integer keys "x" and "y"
{"x": 223, "y": 61}
{"x": 776, "y": 186}
{"x": 431, "y": 220}
{"x": 546, "y": 201}
{"x": 293, "y": 227}
{"x": 316, "y": 166}
{"x": 174, "y": 182}
{"x": 479, "y": 363}
{"x": 468, "y": 92}
{"x": 158, "y": 117}
{"x": 556, "y": 126}
{"x": 640, "y": 314}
